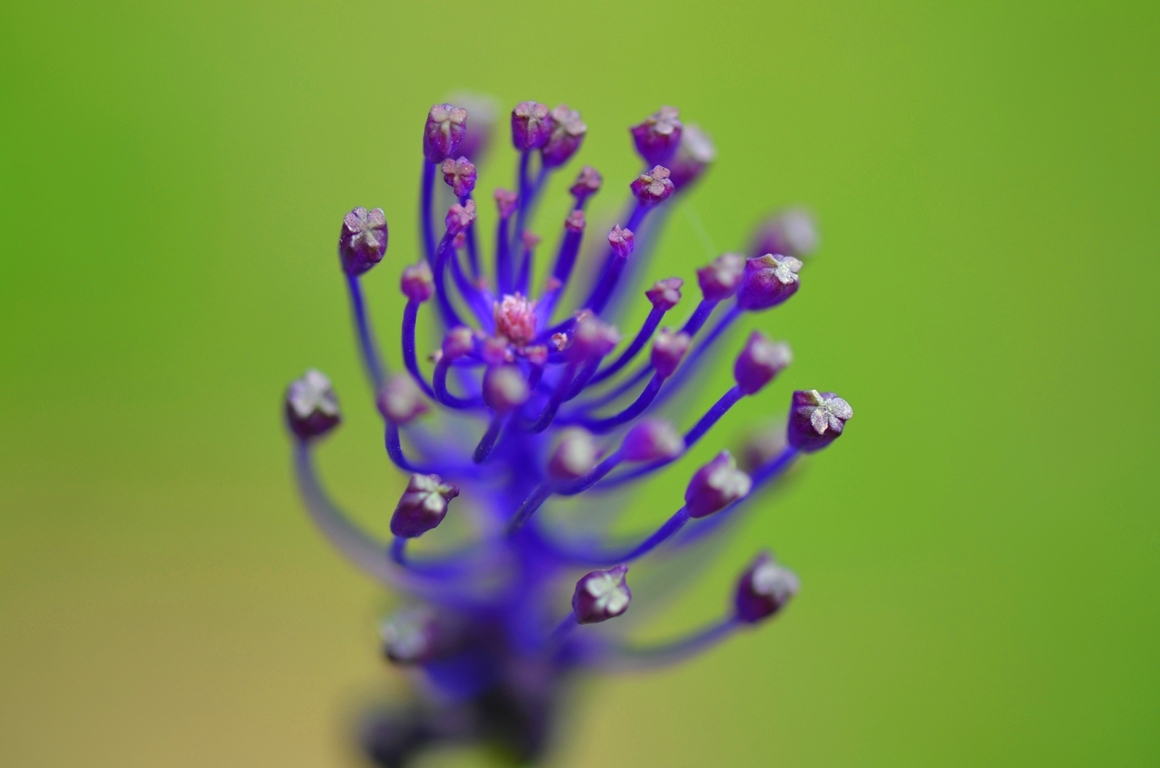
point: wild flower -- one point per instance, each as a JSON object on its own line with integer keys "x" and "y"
{"x": 536, "y": 404}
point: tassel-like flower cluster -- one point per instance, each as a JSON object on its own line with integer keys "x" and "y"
{"x": 540, "y": 396}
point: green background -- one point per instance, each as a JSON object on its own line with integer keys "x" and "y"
{"x": 977, "y": 553}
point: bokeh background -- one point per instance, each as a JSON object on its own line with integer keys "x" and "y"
{"x": 978, "y": 553}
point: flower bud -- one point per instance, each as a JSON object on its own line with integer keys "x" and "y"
{"x": 694, "y": 155}
{"x": 792, "y": 232}
{"x": 457, "y": 343}
{"x": 532, "y": 125}
{"x": 759, "y": 362}
{"x": 422, "y": 506}
{"x": 505, "y": 201}
{"x": 653, "y": 187}
{"x": 587, "y": 183}
{"x": 665, "y": 294}
{"x": 515, "y": 318}
{"x": 622, "y": 241}
{"x": 764, "y": 589}
{"x": 363, "y": 240}
{"x": 446, "y": 127}
{"x": 575, "y": 221}
{"x": 658, "y": 136}
{"x": 601, "y": 595}
{"x": 721, "y": 277}
{"x": 460, "y": 217}
{"x": 459, "y": 175}
{"x": 592, "y": 338}
{"x": 667, "y": 350}
{"x": 652, "y": 439}
{"x": 504, "y": 388}
{"x": 567, "y": 135}
{"x": 715, "y": 486}
{"x": 417, "y": 283}
{"x": 400, "y": 401}
{"x": 816, "y": 419}
{"x": 311, "y": 406}
{"x": 410, "y": 637}
{"x": 574, "y": 455}
{"x": 768, "y": 281}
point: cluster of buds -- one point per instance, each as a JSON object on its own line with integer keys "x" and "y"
{"x": 557, "y": 403}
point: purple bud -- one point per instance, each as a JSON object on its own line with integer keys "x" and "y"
{"x": 575, "y": 221}
{"x": 446, "y": 126}
{"x": 410, "y": 637}
{"x": 422, "y": 506}
{"x": 459, "y": 175}
{"x": 457, "y": 343}
{"x": 587, "y": 183}
{"x": 504, "y": 388}
{"x": 652, "y": 439}
{"x": 574, "y": 455}
{"x": 653, "y": 187}
{"x": 759, "y": 362}
{"x": 665, "y": 294}
{"x": 400, "y": 400}
{"x": 567, "y": 135}
{"x": 792, "y": 232}
{"x": 363, "y": 240}
{"x": 816, "y": 419}
{"x": 764, "y": 589}
{"x": 658, "y": 136}
{"x": 483, "y": 110}
{"x": 622, "y": 241}
{"x": 768, "y": 281}
{"x": 693, "y": 156}
{"x": 460, "y": 217}
{"x": 505, "y": 201}
{"x": 601, "y": 595}
{"x": 715, "y": 486}
{"x": 532, "y": 125}
{"x": 667, "y": 350}
{"x": 311, "y": 406}
{"x": 721, "y": 277}
{"x": 417, "y": 283}
{"x": 592, "y": 338}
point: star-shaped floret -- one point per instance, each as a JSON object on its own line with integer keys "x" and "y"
{"x": 826, "y": 412}
{"x": 312, "y": 394}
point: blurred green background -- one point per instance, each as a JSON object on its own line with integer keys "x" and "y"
{"x": 978, "y": 553}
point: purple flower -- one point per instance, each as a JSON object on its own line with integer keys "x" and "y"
{"x": 534, "y": 396}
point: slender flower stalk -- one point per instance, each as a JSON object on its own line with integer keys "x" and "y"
{"x": 515, "y": 411}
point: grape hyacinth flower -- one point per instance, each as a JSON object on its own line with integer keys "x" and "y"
{"x": 526, "y": 402}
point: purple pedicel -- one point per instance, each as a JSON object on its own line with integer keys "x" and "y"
{"x": 363, "y": 240}
{"x": 534, "y": 407}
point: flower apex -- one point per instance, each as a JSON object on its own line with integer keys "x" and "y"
{"x": 400, "y": 401}
{"x": 816, "y": 419}
{"x": 363, "y": 240}
{"x": 665, "y": 294}
{"x": 652, "y": 439}
{"x": 409, "y": 637}
{"x": 417, "y": 282}
{"x": 458, "y": 342}
{"x": 721, "y": 277}
{"x": 657, "y": 137}
{"x": 460, "y": 217}
{"x": 592, "y": 338}
{"x": 575, "y": 221}
{"x": 667, "y": 351}
{"x": 768, "y": 281}
{"x": 505, "y": 201}
{"x": 422, "y": 506}
{"x": 587, "y": 183}
{"x": 504, "y": 388}
{"x": 515, "y": 318}
{"x": 715, "y": 486}
{"x": 601, "y": 595}
{"x": 311, "y": 406}
{"x": 460, "y": 176}
{"x": 622, "y": 241}
{"x": 532, "y": 125}
{"x": 567, "y": 135}
{"x": 759, "y": 362}
{"x": 445, "y": 128}
{"x": 764, "y": 589}
{"x": 574, "y": 455}
{"x": 653, "y": 187}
